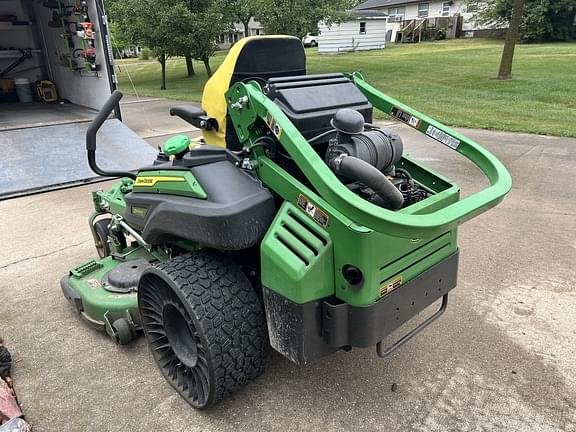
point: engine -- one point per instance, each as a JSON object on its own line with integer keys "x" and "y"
{"x": 334, "y": 116}
{"x": 365, "y": 160}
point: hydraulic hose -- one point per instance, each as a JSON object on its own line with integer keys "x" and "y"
{"x": 367, "y": 174}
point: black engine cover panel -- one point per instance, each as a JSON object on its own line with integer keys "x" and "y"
{"x": 311, "y": 101}
{"x": 235, "y": 216}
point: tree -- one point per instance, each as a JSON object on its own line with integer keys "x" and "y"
{"x": 209, "y": 23}
{"x": 147, "y": 23}
{"x": 186, "y": 28}
{"x": 242, "y": 11}
{"x": 298, "y": 17}
{"x": 119, "y": 40}
{"x": 190, "y": 65}
{"x": 543, "y": 20}
{"x": 505, "y": 72}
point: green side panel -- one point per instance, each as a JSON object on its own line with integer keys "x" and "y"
{"x": 297, "y": 257}
{"x": 385, "y": 261}
{"x": 382, "y": 257}
{"x": 169, "y": 182}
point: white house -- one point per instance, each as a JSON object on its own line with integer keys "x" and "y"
{"x": 365, "y": 30}
{"x": 402, "y": 10}
{"x": 226, "y": 40}
{"x": 433, "y": 11}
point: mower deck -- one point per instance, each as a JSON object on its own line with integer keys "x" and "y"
{"x": 104, "y": 292}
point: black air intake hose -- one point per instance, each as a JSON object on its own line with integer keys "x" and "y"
{"x": 365, "y": 173}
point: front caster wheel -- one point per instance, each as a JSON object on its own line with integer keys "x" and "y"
{"x": 204, "y": 324}
{"x": 123, "y": 331}
{"x": 102, "y": 230}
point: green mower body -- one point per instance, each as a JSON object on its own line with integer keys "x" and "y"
{"x": 332, "y": 265}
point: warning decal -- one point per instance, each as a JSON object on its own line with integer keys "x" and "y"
{"x": 442, "y": 137}
{"x": 391, "y": 286}
{"x": 319, "y": 216}
{"x": 273, "y": 125}
{"x": 405, "y": 117}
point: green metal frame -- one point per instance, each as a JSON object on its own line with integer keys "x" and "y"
{"x": 390, "y": 248}
{"x": 247, "y": 103}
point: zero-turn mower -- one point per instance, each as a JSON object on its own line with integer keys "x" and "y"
{"x": 293, "y": 222}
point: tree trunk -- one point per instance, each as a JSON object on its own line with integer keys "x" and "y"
{"x": 162, "y": 60}
{"x": 206, "y": 61}
{"x": 247, "y": 27}
{"x": 190, "y": 66}
{"x": 505, "y": 72}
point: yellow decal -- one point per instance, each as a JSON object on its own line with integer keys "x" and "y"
{"x": 316, "y": 213}
{"x": 151, "y": 181}
{"x": 390, "y": 286}
{"x": 273, "y": 125}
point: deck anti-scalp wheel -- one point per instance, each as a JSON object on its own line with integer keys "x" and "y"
{"x": 204, "y": 324}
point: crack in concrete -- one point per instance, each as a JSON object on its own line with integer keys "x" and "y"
{"x": 42, "y": 255}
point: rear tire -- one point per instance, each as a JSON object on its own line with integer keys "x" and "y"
{"x": 204, "y": 324}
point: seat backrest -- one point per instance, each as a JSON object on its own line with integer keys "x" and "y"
{"x": 256, "y": 58}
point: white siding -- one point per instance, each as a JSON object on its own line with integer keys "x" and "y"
{"x": 346, "y": 36}
{"x": 254, "y": 28}
{"x": 434, "y": 9}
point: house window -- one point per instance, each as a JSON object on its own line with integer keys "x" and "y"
{"x": 362, "y": 27}
{"x": 446, "y": 8}
{"x": 423, "y": 9}
{"x": 396, "y": 13}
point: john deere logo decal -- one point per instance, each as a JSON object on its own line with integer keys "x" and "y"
{"x": 152, "y": 180}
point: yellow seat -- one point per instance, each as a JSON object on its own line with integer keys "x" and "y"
{"x": 254, "y": 58}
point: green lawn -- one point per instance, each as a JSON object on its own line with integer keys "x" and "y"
{"x": 449, "y": 80}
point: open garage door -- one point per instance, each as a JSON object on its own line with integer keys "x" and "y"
{"x": 46, "y": 158}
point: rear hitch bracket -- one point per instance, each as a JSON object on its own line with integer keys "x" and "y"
{"x": 384, "y": 352}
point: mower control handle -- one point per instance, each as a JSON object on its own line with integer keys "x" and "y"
{"x": 94, "y": 127}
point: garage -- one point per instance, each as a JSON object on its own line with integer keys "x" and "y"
{"x": 56, "y": 72}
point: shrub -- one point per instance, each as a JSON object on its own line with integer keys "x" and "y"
{"x": 145, "y": 54}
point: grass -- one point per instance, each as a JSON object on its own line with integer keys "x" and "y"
{"x": 449, "y": 80}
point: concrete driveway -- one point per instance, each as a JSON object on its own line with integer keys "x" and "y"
{"x": 501, "y": 359}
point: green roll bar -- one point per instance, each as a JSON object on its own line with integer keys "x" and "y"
{"x": 247, "y": 103}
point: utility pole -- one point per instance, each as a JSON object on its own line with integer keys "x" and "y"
{"x": 505, "y": 72}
